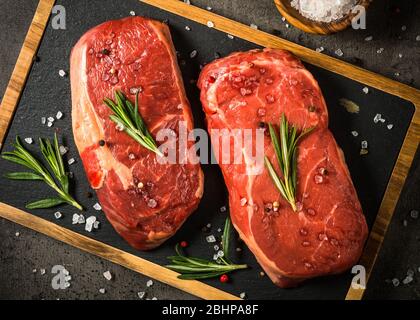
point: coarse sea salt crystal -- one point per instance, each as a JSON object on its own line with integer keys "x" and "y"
{"x": 102, "y": 290}
{"x": 81, "y": 219}
{"x": 369, "y": 38}
{"x": 97, "y": 206}
{"x": 50, "y": 119}
{"x": 71, "y": 161}
{"x": 42, "y": 271}
{"x": 377, "y": 118}
{"x": 320, "y": 49}
{"x": 211, "y": 239}
{"x": 107, "y": 275}
{"x": 390, "y": 126}
{"x": 223, "y": 209}
{"x": 63, "y": 150}
{"x": 395, "y": 282}
{"x": 58, "y": 215}
{"x": 75, "y": 218}
{"x": 187, "y": 28}
{"x": 149, "y": 283}
{"x": 408, "y": 280}
{"x": 230, "y": 36}
{"x": 29, "y": 140}
{"x": 380, "y": 50}
{"x": 43, "y": 120}
{"x": 141, "y": 294}
{"x": 414, "y": 214}
{"x": 364, "y": 144}
{"x": 210, "y": 24}
{"x": 96, "y": 224}
{"x": 62, "y": 73}
{"x": 253, "y": 26}
{"x": 59, "y": 115}
{"x": 89, "y": 223}
{"x": 354, "y": 133}
{"x": 132, "y": 13}
{"x": 242, "y": 295}
{"x": 219, "y": 229}
{"x": 193, "y": 54}
{"x": 243, "y": 201}
{"x": 339, "y": 52}
{"x": 17, "y": 234}
{"x": 216, "y": 247}
{"x": 50, "y": 124}
{"x": 209, "y": 8}
{"x": 365, "y": 90}
{"x": 418, "y": 38}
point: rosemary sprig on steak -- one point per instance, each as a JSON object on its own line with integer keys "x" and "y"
{"x": 52, "y": 156}
{"x": 128, "y": 119}
{"x": 197, "y": 268}
{"x": 286, "y": 154}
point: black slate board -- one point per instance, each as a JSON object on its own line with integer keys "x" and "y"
{"x": 46, "y": 93}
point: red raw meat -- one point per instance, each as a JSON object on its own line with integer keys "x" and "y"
{"x": 327, "y": 234}
{"x": 128, "y": 54}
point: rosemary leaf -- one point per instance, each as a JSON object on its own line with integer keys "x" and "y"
{"x": 197, "y": 268}
{"x": 52, "y": 157}
{"x": 22, "y": 176}
{"x": 45, "y": 203}
{"x": 129, "y": 119}
{"x": 197, "y": 276}
{"x": 286, "y": 154}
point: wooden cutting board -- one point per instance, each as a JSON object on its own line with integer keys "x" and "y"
{"x": 36, "y": 90}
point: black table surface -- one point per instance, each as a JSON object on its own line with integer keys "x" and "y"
{"x": 23, "y": 250}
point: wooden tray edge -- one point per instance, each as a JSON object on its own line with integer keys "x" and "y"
{"x": 112, "y": 254}
{"x": 23, "y": 65}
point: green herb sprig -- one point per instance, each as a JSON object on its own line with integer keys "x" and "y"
{"x": 128, "y": 118}
{"x": 52, "y": 156}
{"x": 286, "y": 154}
{"x": 197, "y": 268}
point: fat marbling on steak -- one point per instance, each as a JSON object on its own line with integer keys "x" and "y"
{"x": 327, "y": 233}
{"x": 145, "y": 201}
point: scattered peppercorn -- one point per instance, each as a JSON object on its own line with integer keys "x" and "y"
{"x": 105, "y": 52}
{"x": 101, "y": 143}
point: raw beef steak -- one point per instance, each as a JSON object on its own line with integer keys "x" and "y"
{"x": 145, "y": 201}
{"x": 327, "y": 233}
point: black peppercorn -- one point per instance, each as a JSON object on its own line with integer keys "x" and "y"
{"x": 105, "y": 52}
{"x": 261, "y": 125}
{"x": 101, "y": 143}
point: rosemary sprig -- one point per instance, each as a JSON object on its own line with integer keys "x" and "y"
{"x": 197, "y": 268}
{"x": 52, "y": 156}
{"x": 128, "y": 118}
{"x": 286, "y": 154}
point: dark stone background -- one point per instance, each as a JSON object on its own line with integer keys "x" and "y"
{"x": 19, "y": 255}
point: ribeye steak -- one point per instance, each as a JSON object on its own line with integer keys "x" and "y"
{"x": 327, "y": 234}
{"x": 144, "y": 200}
